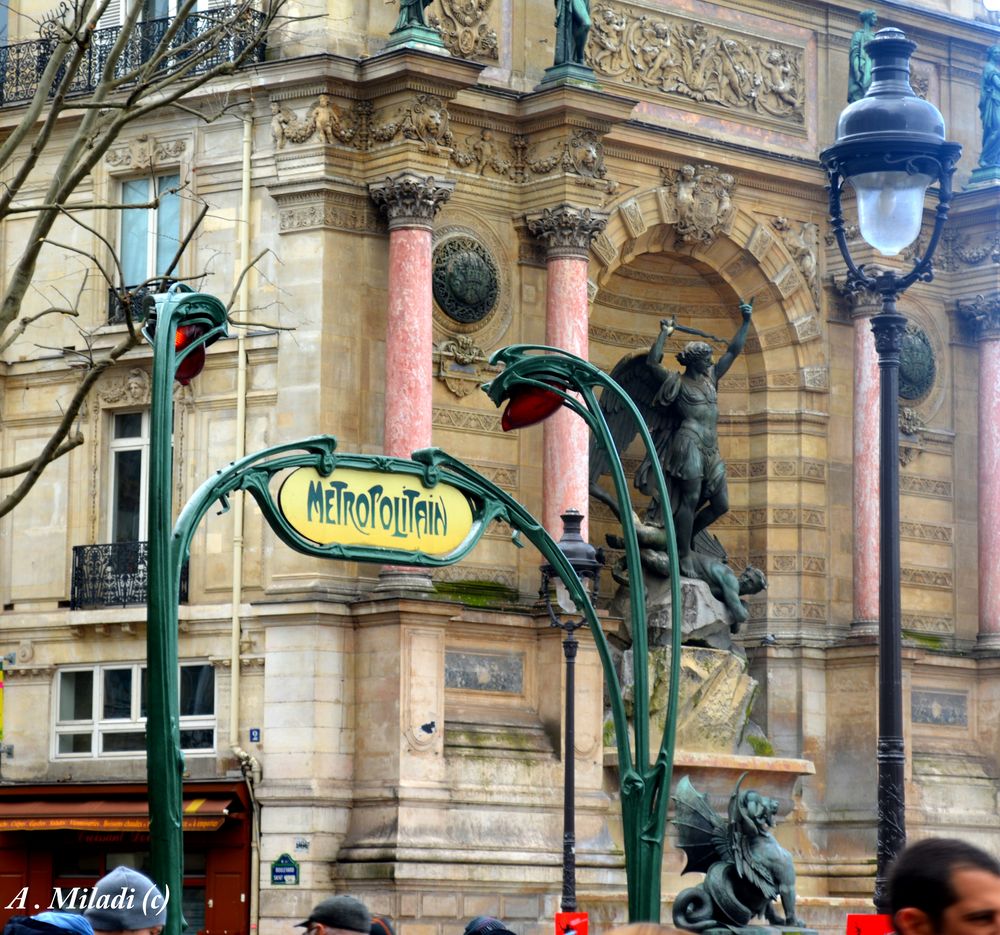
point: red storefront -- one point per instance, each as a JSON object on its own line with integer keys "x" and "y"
{"x": 56, "y": 837}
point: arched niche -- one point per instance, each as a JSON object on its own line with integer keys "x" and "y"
{"x": 772, "y": 404}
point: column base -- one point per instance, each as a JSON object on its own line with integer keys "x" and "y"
{"x": 405, "y": 578}
{"x": 988, "y": 644}
{"x": 863, "y": 629}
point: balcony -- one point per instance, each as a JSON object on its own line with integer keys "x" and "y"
{"x": 116, "y": 307}
{"x": 114, "y": 574}
{"x": 22, "y": 64}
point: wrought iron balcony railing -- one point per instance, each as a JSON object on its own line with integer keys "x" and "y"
{"x": 22, "y": 64}
{"x": 113, "y": 574}
{"x": 116, "y": 307}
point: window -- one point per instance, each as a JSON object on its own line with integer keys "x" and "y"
{"x": 149, "y": 236}
{"x": 129, "y": 476}
{"x": 101, "y": 710}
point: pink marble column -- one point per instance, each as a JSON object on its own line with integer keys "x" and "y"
{"x": 567, "y": 233}
{"x": 982, "y": 317}
{"x": 410, "y": 202}
{"x": 866, "y": 467}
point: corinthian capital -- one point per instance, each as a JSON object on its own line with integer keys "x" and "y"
{"x": 567, "y": 231}
{"x": 411, "y": 200}
{"x": 980, "y": 316}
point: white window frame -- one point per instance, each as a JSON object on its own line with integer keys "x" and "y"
{"x": 152, "y": 216}
{"x": 131, "y": 443}
{"x": 98, "y": 726}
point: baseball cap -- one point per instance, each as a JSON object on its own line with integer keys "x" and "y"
{"x": 341, "y": 912}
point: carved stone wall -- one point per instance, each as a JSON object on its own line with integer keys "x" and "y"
{"x": 698, "y": 62}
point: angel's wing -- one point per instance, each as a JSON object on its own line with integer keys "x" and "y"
{"x": 700, "y": 830}
{"x": 642, "y": 383}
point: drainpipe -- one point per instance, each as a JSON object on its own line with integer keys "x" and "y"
{"x": 243, "y": 303}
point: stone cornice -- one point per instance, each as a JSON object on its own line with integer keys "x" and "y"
{"x": 980, "y": 316}
{"x": 321, "y": 204}
{"x": 411, "y": 200}
{"x": 567, "y": 231}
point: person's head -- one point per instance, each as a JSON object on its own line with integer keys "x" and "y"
{"x": 943, "y": 886}
{"x": 486, "y": 925}
{"x": 125, "y": 900}
{"x": 869, "y": 18}
{"x": 994, "y": 53}
{"x": 338, "y": 915}
{"x": 697, "y": 355}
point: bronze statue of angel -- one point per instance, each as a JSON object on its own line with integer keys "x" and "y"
{"x": 745, "y": 868}
{"x": 681, "y": 411}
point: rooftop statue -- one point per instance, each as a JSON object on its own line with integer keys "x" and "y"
{"x": 411, "y": 13}
{"x": 860, "y": 76}
{"x": 989, "y": 109}
{"x": 745, "y": 868}
{"x": 572, "y": 30}
{"x": 682, "y": 413}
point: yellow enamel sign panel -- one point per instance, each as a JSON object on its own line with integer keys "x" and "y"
{"x": 375, "y": 509}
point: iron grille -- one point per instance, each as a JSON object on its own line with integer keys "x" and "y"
{"x": 22, "y": 64}
{"x": 113, "y": 574}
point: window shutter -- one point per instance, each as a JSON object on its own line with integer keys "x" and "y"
{"x": 112, "y": 15}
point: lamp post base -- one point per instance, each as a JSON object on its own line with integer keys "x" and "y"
{"x": 403, "y": 578}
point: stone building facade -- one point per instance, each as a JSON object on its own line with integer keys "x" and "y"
{"x": 415, "y": 208}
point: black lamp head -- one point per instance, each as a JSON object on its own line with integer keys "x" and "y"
{"x": 890, "y": 128}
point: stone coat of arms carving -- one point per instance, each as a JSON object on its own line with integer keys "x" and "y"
{"x": 698, "y": 202}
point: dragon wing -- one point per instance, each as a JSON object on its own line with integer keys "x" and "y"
{"x": 700, "y": 830}
{"x": 641, "y": 382}
{"x": 742, "y": 831}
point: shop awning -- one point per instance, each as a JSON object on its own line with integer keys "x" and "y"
{"x": 200, "y": 814}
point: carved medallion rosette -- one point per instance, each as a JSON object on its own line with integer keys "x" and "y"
{"x": 472, "y": 304}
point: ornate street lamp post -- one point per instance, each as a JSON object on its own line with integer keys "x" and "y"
{"x": 586, "y": 561}
{"x": 179, "y": 325}
{"x": 890, "y": 147}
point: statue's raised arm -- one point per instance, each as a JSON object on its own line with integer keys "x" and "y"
{"x": 736, "y": 345}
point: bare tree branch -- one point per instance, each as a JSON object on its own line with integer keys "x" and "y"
{"x": 178, "y": 64}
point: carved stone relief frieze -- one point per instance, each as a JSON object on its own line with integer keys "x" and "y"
{"x": 801, "y": 239}
{"x": 486, "y": 154}
{"x": 979, "y": 317}
{"x": 324, "y": 121}
{"x": 582, "y": 154}
{"x": 698, "y": 62}
{"x": 130, "y": 389}
{"x": 144, "y": 152}
{"x": 462, "y": 365}
{"x": 464, "y": 30}
{"x": 426, "y": 120}
{"x": 959, "y": 250}
{"x": 698, "y": 201}
{"x": 323, "y": 208}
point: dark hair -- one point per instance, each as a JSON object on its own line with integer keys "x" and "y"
{"x": 921, "y": 875}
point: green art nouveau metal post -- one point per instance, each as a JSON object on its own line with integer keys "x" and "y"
{"x": 179, "y": 327}
{"x": 535, "y": 383}
{"x": 429, "y": 511}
